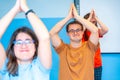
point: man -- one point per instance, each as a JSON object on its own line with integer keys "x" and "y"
{"x": 76, "y": 58}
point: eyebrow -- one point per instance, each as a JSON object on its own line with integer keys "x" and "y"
{"x": 25, "y": 39}
{"x": 75, "y": 29}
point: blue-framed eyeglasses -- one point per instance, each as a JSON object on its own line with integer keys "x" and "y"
{"x": 20, "y": 42}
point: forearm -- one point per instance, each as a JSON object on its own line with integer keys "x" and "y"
{"x": 38, "y": 26}
{"x": 44, "y": 50}
{"x": 57, "y": 28}
{"x": 2, "y": 55}
{"x": 6, "y": 20}
{"x": 87, "y": 24}
{"x": 104, "y": 28}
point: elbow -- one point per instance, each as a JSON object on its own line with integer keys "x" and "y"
{"x": 47, "y": 37}
{"x": 106, "y": 30}
{"x": 51, "y": 34}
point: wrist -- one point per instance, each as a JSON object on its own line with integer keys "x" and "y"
{"x": 29, "y": 11}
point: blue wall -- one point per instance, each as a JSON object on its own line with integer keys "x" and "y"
{"x": 111, "y": 66}
{"x": 111, "y": 61}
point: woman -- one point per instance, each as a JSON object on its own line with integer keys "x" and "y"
{"x": 28, "y": 55}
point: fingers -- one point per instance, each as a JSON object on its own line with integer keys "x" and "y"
{"x": 23, "y": 6}
{"x": 92, "y": 15}
{"x": 70, "y": 14}
{"x": 74, "y": 11}
{"x": 17, "y": 5}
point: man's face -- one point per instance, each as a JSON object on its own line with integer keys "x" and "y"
{"x": 75, "y": 32}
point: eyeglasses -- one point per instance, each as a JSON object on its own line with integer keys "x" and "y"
{"x": 20, "y": 42}
{"x": 72, "y": 30}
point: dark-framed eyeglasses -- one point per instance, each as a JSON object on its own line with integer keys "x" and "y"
{"x": 73, "y": 31}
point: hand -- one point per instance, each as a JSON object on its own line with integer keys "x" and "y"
{"x": 70, "y": 14}
{"x": 17, "y": 6}
{"x": 74, "y": 11}
{"x": 23, "y": 6}
{"x": 92, "y": 17}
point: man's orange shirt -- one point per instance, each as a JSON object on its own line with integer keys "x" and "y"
{"x": 97, "y": 58}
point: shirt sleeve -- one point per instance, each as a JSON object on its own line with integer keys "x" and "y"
{"x": 3, "y": 70}
{"x": 100, "y": 36}
{"x": 60, "y": 48}
{"x": 41, "y": 67}
{"x": 93, "y": 47}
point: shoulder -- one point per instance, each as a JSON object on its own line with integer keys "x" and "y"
{"x": 91, "y": 46}
{"x": 36, "y": 64}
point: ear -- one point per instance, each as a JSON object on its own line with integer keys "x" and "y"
{"x": 82, "y": 32}
{"x": 84, "y": 28}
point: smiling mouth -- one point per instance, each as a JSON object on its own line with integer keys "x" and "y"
{"x": 24, "y": 50}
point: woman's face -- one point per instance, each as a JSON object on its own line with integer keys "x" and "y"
{"x": 93, "y": 20}
{"x": 24, "y": 48}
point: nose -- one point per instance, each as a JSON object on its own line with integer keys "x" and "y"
{"x": 74, "y": 33}
{"x": 23, "y": 45}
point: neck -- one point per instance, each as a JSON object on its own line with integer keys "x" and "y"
{"x": 75, "y": 44}
{"x": 24, "y": 61}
